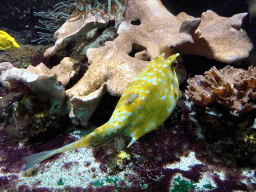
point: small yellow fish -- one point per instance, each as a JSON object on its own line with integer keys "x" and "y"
{"x": 7, "y": 42}
{"x": 145, "y": 104}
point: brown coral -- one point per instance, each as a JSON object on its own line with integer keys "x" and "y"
{"x": 232, "y": 88}
{"x": 219, "y": 38}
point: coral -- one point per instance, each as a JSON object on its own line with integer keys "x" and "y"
{"x": 40, "y": 103}
{"x": 84, "y": 20}
{"x": 144, "y": 35}
{"x": 42, "y": 81}
{"x": 45, "y": 87}
{"x": 114, "y": 64}
{"x": 72, "y": 29}
{"x": 226, "y": 139}
{"x": 230, "y": 87}
{"x": 219, "y": 38}
{"x": 65, "y": 71}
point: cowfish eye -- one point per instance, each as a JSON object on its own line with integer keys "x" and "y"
{"x": 174, "y": 64}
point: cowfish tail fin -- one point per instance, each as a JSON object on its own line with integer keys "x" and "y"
{"x": 32, "y": 160}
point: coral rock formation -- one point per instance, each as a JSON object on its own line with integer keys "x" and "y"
{"x": 42, "y": 81}
{"x": 150, "y": 29}
{"x": 232, "y": 88}
{"x": 72, "y": 29}
{"x": 219, "y": 38}
{"x": 115, "y": 65}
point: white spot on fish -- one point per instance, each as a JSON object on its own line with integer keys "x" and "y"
{"x": 139, "y": 108}
{"x": 163, "y": 74}
{"x": 160, "y": 79}
{"x": 117, "y": 119}
{"x": 141, "y": 90}
{"x": 164, "y": 66}
{"x": 123, "y": 118}
{"x": 160, "y": 71}
{"x": 129, "y": 114}
{"x": 143, "y": 98}
{"x": 144, "y": 78}
{"x": 117, "y": 114}
{"x": 124, "y": 112}
{"x": 163, "y": 97}
{"x": 147, "y": 91}
{"x": 150, "y": 74}
{"x": 153, "y": 123}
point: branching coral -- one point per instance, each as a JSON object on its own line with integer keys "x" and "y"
{"x": 232, "y": 88}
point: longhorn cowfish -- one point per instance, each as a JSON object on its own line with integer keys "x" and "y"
{"x": 145, "y": 104}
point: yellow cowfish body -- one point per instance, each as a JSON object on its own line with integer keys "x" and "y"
{"x": 7, "y": 42}
{"x": 145, "y": 104}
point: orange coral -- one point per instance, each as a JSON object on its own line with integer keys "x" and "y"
{"x": 232, "y": 88}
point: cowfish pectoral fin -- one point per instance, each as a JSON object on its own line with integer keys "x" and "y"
{"x": 132, "y": 141}
{"x": 32, "y": 160}
{"x": 134, "y": 135}
{"x": 131, "y": 97}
